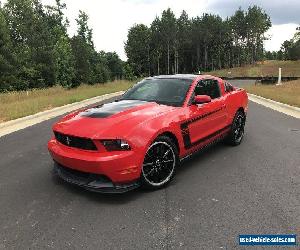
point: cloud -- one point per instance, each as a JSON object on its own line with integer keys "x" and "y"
{"x": 278, "y": 34}
{"x": 280, "y": 11}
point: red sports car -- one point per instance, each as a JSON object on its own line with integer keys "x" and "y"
{"x": 140, "y": 138}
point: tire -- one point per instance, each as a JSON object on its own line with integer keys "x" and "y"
{"x": 160, "y": 162}
{"x": 237, "y": 130}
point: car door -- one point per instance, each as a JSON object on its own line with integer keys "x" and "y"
{"x": 205, "y": 120}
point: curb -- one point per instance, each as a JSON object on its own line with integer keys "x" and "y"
{"x": 27, "y": 121}
{"x": 278, "y": 106}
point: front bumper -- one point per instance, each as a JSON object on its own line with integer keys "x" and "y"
{"x": 119, "y": 167}
{"x": 92, "y": 182}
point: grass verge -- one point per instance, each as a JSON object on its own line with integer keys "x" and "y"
{"x": 19, "y": 104}
{"x": 288, "y": 93}
{"x": 261, "y": 69}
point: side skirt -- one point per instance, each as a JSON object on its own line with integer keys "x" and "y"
{"x": 222, "y": 134}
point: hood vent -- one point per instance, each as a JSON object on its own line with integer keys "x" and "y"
{"x": 109, "y": 109}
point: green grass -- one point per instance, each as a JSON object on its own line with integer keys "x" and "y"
{"x": 288, "y": 93}
{"x": 19, "y": 104}
{"x": 260, "y": 69}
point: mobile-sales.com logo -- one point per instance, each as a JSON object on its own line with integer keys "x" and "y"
{"x": 267, "y": 240}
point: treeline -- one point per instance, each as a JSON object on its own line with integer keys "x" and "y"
{"x": 290, "y": 49}
{"x": 185, "y": 45}
{"x": 36, "y": 51}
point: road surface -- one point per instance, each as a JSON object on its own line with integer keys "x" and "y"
{"x": 216, "y": 195}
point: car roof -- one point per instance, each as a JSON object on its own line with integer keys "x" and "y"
{"x": 177, "y": 76}
{"x": 181, "y": 76}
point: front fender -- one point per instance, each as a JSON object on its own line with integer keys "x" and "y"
{"x": 144, "y": 134}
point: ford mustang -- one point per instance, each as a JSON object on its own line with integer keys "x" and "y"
{"x": 140, "y": 138}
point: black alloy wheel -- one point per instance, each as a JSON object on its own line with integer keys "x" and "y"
{"x": 237, "y": 131}
{"x": 159, "y": 163}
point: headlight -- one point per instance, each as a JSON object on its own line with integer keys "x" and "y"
{"x": 115, "y": 145}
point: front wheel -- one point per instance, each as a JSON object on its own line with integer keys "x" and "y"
{"x": 159, "y": 163}
{"x": 237, "y": 130}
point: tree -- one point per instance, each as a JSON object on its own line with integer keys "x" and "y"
{"x": 294, "y": 50}
{"x": 290, "y": 49}
{"x": 128, "y": 72}
{"x": 286, "y": 49}
{"x": 35, "y": 30}
{"x": 238, "y": 25}
{"x": 226, "y": 45}
{"x": 64, "y": 63}
{"x": 100, "y": 70}
{"x": 211, "y": 32}
{"x": 184, "y": 43}
{"x": 8, "y": 79}
{"x": 258, "y": 22}
{"x": 114, "y": 64}
{"x": 156, "y": 45}
{"x": 83, "y": 30}
{"x": 137, "y": 49}
{"x": 168, "y": 30}
{"x": 83, "y": 48}
{"x": 36, "y": 51}
{"x": 22, "y": 22}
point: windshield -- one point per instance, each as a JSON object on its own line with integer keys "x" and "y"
{"x": 163, "y": 91}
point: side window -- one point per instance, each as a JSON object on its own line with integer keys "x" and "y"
{"x": 208, "y": 87}
{"x": 228, "y": 87}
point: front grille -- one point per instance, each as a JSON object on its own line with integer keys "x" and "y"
{"x": 75, "y": 142}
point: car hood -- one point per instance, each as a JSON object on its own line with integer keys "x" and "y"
{"x": 110, "y": 120}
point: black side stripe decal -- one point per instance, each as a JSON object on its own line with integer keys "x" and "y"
{"x": 220, "y": 131}
{"x": 186, "y": 134}
{"x": 201, "y": 116}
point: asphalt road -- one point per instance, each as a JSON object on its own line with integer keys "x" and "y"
{"x": 217, "y": 194}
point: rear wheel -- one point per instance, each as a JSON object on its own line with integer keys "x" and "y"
{"x": 159, "y": 163}
{"x": 237, "y": 130}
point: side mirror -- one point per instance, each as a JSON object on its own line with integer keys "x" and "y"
{"x": 200, "y": 99}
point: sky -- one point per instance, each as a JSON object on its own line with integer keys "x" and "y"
{"x": 111, "y": 19}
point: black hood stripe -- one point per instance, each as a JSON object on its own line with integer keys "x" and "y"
{"x": 112, "y": 108}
